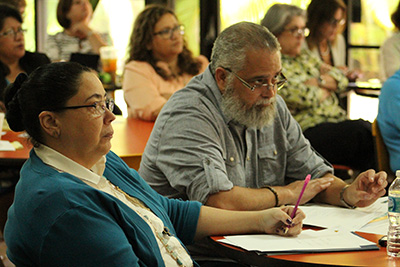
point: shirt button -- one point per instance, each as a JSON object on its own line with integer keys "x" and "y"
{"x": 232, "y": 159}
{"x": 275, "y": 152}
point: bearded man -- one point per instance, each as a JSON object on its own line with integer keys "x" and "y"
{"x": 228, "y": 140}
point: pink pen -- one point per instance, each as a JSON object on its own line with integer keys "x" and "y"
{"x": 308, "y": 177}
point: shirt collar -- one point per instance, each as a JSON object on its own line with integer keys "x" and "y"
{"x": 64, "y": 164}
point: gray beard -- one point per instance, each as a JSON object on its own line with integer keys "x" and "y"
{"x": 256, "y": 116}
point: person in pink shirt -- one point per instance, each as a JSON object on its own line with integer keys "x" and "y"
{"x": 159, "y": 62}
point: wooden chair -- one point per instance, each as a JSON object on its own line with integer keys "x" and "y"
{"x": 381, "y": 153}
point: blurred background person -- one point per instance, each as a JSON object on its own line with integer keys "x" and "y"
{"x": 14, "y": 59}
{"x": 77, "y": 37}
{"x": 18, "y": 4}
{"x": 159, "y": 62}
{"x": 326, "y": 21}
{"x": 389, "y": 120}
{"x": 310, "y": 94}
{"x": 390, "y": 49}
{"x": 78, "y": 204}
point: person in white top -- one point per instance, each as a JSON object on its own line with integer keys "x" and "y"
{"x": 390, "y": 49}
{"x": 78, "y": 37}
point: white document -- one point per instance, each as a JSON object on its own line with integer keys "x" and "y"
{"x": 308, "y": 241}
{"x": 6, "y": 146}
{"x": 332, "y": 217}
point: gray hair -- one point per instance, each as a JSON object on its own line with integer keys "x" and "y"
{"x": 280, "y": 15}
{"x": 231, "y": 45}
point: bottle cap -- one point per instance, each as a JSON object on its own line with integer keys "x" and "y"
{"x": 398, "y": 173}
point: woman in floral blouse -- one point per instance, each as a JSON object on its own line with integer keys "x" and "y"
{"x": 311, "y": 94}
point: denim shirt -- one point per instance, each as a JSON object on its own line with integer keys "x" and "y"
{"x": 195, "y": 150}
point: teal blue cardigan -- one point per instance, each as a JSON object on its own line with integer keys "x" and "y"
{"x": 58, "y": 220}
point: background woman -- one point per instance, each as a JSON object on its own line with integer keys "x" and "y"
{"x": 18, "y": 4}
{"x": 74, "y": 16}
{"x": 390, "y": 49}
{"x": 13, "y": 57}
{"x": 326, "y": 21}
{"x": 310, "y": 94}
{"x": 159, "y": 62}
{"x": 78, "y": 204}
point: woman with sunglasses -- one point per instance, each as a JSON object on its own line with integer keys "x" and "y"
{"x": 79, "y": 204}
{"x": 326, "y": 20}
{"x": 310, "y": 94}
{"x": 14, "y": 59}
{"x": 159, "y": 62}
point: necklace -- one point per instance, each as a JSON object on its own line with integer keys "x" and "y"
{"x": 163, "y": 236}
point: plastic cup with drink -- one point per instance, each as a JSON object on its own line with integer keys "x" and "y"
{"x": 108, "y": 56}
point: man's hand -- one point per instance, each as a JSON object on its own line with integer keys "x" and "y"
{"x": 366, "y": 189}
{"x": 313, "y": 188}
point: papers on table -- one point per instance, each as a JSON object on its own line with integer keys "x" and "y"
{"x": 340, "y": 223}
{"x": 308, "y": 241}
{"x": 6, "y": 146}
{"x": 327, "y": 216}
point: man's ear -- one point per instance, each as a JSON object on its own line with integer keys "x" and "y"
{"x": 220, "y": 77}
{"x": 50, "y": 124}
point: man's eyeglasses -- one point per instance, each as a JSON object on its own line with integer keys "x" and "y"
{"x": 12, "y": 33}
{"x": 335, "y": 22}
{"x": 297, "y": 32}
{"x": 99, "y": 107}
{"x": 258, "y": 84}
{"x": 167, "y": 33}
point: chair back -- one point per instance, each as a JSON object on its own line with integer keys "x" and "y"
{"x": 381, "y": 153}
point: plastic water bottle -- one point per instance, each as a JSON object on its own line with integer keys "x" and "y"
{"x": 393, "y": 240}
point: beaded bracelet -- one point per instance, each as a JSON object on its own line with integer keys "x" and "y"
{"x": 275, "y": 194}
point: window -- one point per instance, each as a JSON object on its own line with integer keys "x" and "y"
{"x": 370, "y": 25}
{"x": 234, "y": 11}
{"x": 29, "y": 26}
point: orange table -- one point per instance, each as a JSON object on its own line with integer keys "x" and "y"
{"x": 129, "y": 141}
{"x": 130, "y": 138}
{"x": 18, "y": 157}
{"x": 370, "y": 258}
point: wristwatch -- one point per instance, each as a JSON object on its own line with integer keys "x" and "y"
{"x": 344, "y": 203}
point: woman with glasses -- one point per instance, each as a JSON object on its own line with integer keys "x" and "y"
{"x": 326, "y": 20}
{"x": 77, "y": 37}
{"x": 14, "y": 59}
{"x": 79, "y": 204}
{"x": 310, "y": 94}
{"x": 159, "y": 62}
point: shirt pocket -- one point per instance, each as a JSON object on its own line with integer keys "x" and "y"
{"x": 268, "y": 165}
{"x": 234, "y": 169}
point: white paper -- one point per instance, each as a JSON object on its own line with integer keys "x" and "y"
{"x": 6, "y": 146}
{"x": 307, "y": 241}
{"x": 332, "y": 217}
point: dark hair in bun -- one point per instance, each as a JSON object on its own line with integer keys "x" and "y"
{"x": 13, "y": 115}
{"x": 47, "y": 88}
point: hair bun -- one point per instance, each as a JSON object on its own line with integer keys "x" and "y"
{"x": 13, "y": 113}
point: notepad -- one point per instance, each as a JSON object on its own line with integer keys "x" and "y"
{"x": 308, "y": 241}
